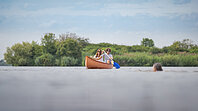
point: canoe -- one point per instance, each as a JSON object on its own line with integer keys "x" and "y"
{"x": 91, "y": 63}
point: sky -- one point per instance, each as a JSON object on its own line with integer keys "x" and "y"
{"x": 123, "y": 22}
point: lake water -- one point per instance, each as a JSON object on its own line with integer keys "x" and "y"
{"x": 80, "y": 89}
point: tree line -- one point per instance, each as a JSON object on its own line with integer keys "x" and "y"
{"x": 63, "y": 51}
{"x": 69, "y": 49}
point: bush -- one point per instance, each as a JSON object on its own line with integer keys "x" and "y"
{"x": 68, "y": 61}
{"x": 194, "y": 49}
{"x": 170, "y": 60}
{"x": 155, "y": 50}
{"x": 22, "y": 62}
{"x": 57, "y": 62}
{"x": 146, "y": 59}
{"x": 188, "y": 60}
{"x": 136, "y": 59}
{"x": 45, "y": 60}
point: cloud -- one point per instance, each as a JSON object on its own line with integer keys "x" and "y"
{"x": 153, "y": 8}
{"x": 180, "y": 2}
{"x": 47, "y": 24}
{"x": 157, "y": 8}
{"x": 196, "y": 24}
{"x": 25, "y": 5}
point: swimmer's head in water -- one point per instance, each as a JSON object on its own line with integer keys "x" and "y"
{"x": 157, "y": 67}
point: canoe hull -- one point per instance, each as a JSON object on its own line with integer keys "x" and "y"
{"x": 93, "y": 64}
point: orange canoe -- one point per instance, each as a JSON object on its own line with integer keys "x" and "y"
{"x": 93, "y": 64}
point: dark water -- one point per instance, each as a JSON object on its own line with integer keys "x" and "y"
{"x": 79, "y": 89}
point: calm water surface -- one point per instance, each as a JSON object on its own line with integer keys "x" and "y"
{"x": 80, "y": 89}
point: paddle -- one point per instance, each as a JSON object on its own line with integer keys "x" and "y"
{"x": 116, "y": 65}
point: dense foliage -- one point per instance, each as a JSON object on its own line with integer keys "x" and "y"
{"x": 146, "y": 59}
{"x": 64, "y": 51}
{"x": 147, "y": 42}
{"x": 70, "y": 50}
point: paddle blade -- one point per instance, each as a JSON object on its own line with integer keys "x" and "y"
{"x": 116, "y": 65}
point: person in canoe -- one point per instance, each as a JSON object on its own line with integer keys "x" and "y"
{"x": 107, "y": 56}
{"x": 99, "y": 55}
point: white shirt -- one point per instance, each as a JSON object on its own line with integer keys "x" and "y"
{"x": 106, "y": 57}
{"x": 101, "y": 60}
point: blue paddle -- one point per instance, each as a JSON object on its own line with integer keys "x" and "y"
{"x": 116, "y": 65}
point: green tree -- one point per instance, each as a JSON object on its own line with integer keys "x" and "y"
{"x": 165, "y": 49}
{"x": 20, "y": 54}
{"x": 181, "y": 46}
{"x": 187, "y": 44}
{"x": 69, "y": 48}
{"x": 176, "y": 46}
{"x": 147, "y": 42}
{"x": 82, "y": 41}
{"x": 194, "y": 49}
{"x": 9, "y": 56}
{"x": 36, "y": 50}
{"x": 48, "y": 43}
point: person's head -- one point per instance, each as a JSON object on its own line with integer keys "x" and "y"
{"x": 98, "y": 53}
{"x": 108, "y": 50}
{"x": 157, "y": 67}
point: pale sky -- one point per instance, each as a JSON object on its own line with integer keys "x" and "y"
{"x": 123, "y": 22}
